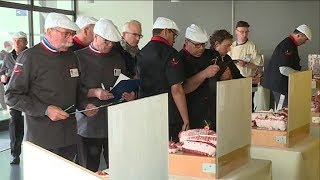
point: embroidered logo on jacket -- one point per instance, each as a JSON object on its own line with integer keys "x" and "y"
{"x": 17, "y": 68}
{"x": 288, "y": 53}
{"x": 174, "y": 62}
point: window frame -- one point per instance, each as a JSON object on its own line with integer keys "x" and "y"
{"x": 32, "y": 8}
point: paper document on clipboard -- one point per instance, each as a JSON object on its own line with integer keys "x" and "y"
{"x": 124, "y": 84}
{"x": 120, "y": 78}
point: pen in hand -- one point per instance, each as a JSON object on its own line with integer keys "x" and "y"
{"x": 102, "y": 86}
{"x": 214, "y": 61}
{"x": 69, "y": 107}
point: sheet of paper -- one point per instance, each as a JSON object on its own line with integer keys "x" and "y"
{"x": 120, "y": 78}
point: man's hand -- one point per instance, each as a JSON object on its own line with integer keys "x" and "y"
{"x": 226, "y": 75}
{"x": 129, "y": 96}
{"x": 102, "y": 94}
{"x": 256, "y": 80}
{"x": 56, "y": 113}
{"x": 4, "y": 78}
{"x": 241, "y": 63}
{"x": 185, "y": 126}
{"x": 92, "y": 112}
{"x": 211, "y": 71}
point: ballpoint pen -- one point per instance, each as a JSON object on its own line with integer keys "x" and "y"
{"x": 69, "y": 107}
{"x": 102, "y": 86}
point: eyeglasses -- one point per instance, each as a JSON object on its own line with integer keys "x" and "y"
{"x": 243, "y": 32}
{"x": 175, "y": 34}
{"x": 198, "y": 45}
{"x": 65, "y": 34}
{"x": 136, "y": 34}
{"x": 107, "y": 42}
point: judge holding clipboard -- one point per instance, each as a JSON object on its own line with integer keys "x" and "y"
{"x": 100, "y": 67}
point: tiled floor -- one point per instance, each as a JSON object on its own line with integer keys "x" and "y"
{"x": 4, "y": 114}
{"x": 15, "y": 172}
{"x": 7, "y": 171}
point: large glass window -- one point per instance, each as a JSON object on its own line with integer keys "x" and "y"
{"x": 38, "y": 25}
{"x": 19, "y": 1}
{"x": 17, "y": 22}
{"x": 67, "y": 5}
{"x": 15, "y": 17}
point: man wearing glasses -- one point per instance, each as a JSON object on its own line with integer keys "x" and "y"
{"x": 128, "y": 46}
{"x": 160, "y": 72}
{"x": 44, "y": 82}
{"x": 100, "y": 68}
{"x": 248, "y": 56}
{"x": 199, "y": 67}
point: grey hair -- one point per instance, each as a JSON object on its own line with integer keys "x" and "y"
{"x": 126, "y": 25}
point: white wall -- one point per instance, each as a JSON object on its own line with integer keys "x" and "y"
{"x": 270, "y": 21}
{"x": 120, "y": 12}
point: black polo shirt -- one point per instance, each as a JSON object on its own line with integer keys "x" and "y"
{"x": 200, "y": 108}
{"x": 159, "y": 69}
{"x": 285, "y": 54}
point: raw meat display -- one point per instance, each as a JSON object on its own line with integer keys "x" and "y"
{"x": 270, "y": 120}
{"x": 199, "y": 141}
{"x": 315, "y": 102}
{"x": 200, "y": 135}
{"x": 172, "y": 147}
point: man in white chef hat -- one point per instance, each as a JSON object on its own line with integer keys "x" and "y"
{"x": 161, "y": 72}
{"x": 85, "y": 35}
{"x": 44, "y": 83}
{"x": 100, "y": 67}
{"x": 16, "y": 123}
{"x": 199, "y": 68}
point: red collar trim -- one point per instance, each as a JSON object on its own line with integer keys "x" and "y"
{"x": 95, "y": 51}
{"x": 293, "y": 40}
{"x": 77, "y": 40}
{"x": 186, "y": 51}
{"x": 46, "y": 48}
{"x": 160, "y": 39}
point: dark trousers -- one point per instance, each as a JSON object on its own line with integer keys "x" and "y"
{"x": 252, "y": 102}
{"x": 276, "y": 97}
{"x": 16, "y": 131}
{"x": 67, "y": 152}
{"x": 89, "y": 151}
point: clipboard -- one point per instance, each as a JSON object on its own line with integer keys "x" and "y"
{"x": 128, "y": 85}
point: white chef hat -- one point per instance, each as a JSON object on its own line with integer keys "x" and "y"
{"x": 83, "y": 21}
{"x": 197, "y": 34}
{"x": 19, "y": 34}
{"x": 305, "y": 30}
{"x": 60, "y": 20}
{"x": 165, "y": 23}
{"x": 106, "y": 29}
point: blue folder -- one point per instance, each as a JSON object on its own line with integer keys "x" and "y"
{"x": 125, "y": 86}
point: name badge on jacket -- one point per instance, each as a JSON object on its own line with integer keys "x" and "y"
{"x": 74, "y": 72}
{"x": 116, "y": 72}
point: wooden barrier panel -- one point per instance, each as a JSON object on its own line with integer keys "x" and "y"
{"x": 138, "y": 139}
{"x": 233, "y": 124}
{"x": 39, "y": 163}
{"x": 299, "y": 115}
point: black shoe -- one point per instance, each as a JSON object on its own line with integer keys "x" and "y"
{"x": 15, "y": 161}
